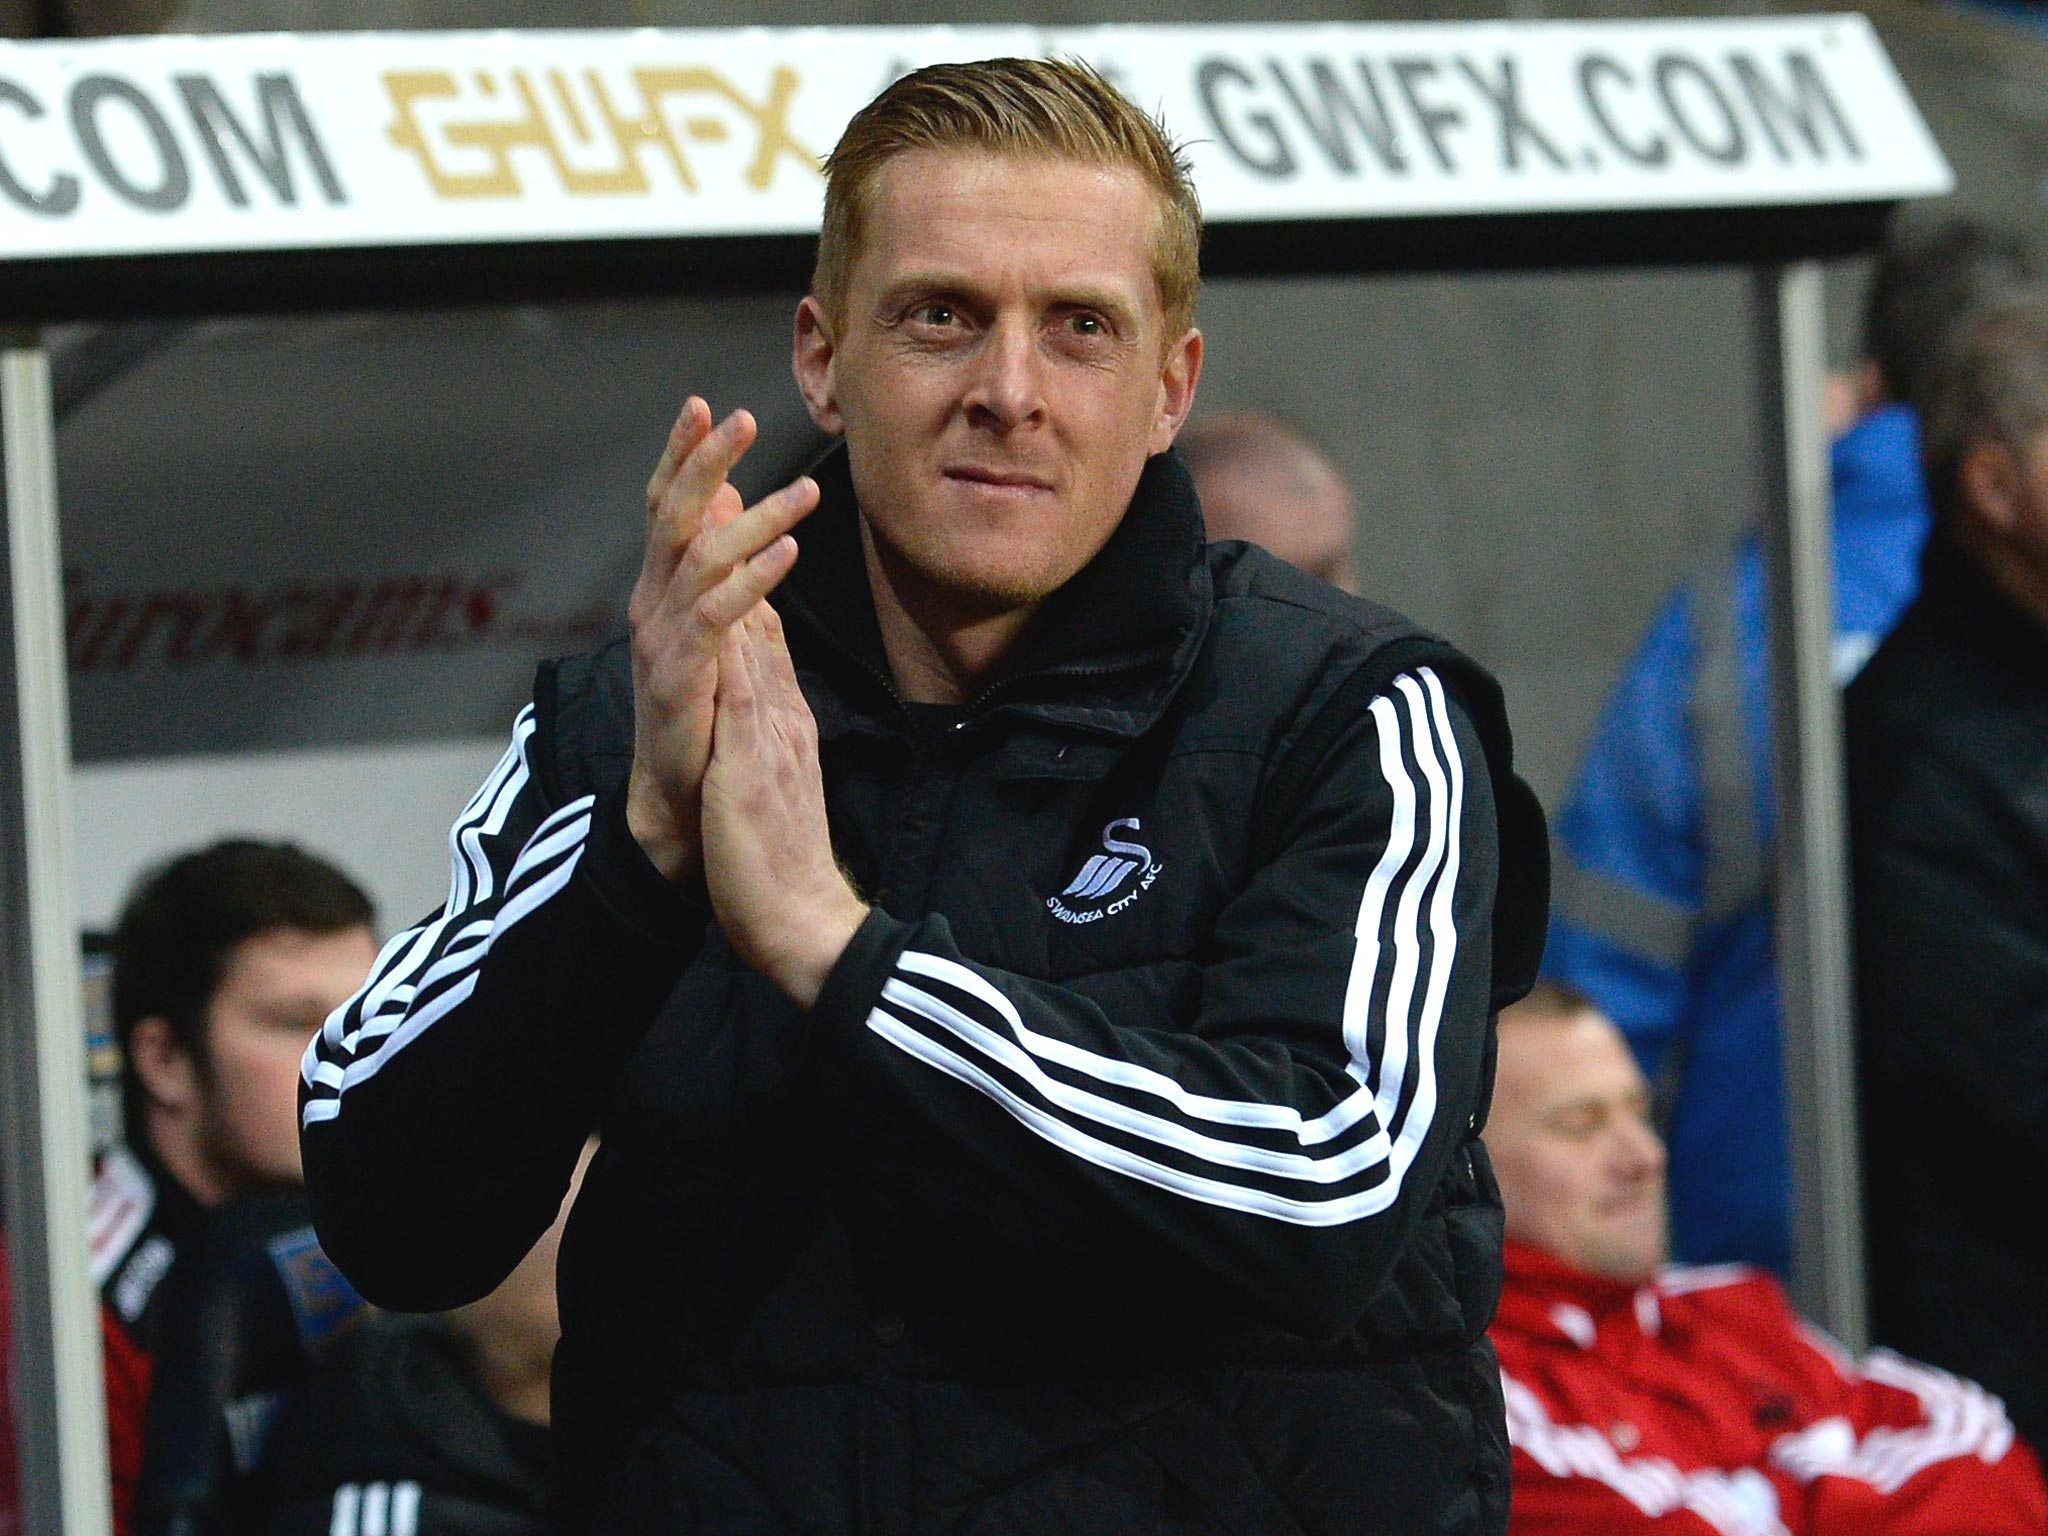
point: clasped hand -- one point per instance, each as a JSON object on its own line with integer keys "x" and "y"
{"x": 725, "y": 773}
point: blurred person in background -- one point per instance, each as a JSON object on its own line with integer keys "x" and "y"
{"x": 430, "y": 1425}
{"x": 1695, "y": 1401}
{"x": 1948, "y": 793}
{"x": 226, "y": 960}
{"x": 1260, "y": 480}
{"x": 1106, "y": 1159}
{"x": 1663, "y": 848}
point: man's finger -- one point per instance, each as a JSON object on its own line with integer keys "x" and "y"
{"x": 669, "y": 537}
{"x": 758, "y": 676}
{"x": 705, "y": 467}
{"x": 692, "y": 422}
{"x": 723, "y": 507}
{"x": 735, "y": 683}
{"x": 778, "y": 671}
{"x": 730, "y": 542}
{"x": 730, "y": 600}
{"x": 720, "y": 547}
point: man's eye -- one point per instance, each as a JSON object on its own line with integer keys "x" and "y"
{"x": 1580, "y": 1124}
{"x": 934, "y": 314}
{"x": 1087, "y": 325}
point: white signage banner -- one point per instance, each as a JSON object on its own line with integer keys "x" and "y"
{"x": 182, "y": 144}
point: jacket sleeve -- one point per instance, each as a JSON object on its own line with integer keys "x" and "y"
{"x": 443, "y": 1107}
{"x": 1569, "y": 1479}
{"x": 1627, "y": 857}
{"x": 1911, "y": 1451}
{"x": 1284, "y": 1127}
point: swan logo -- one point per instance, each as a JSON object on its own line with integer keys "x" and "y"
{"x": 1110, "y": 881}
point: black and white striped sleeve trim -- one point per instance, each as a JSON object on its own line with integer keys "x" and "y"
{"x": 1345, "y": 1162}
{"x": 427, "y": 971}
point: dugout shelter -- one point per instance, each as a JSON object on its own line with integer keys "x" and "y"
{"x": 149, "y": 182}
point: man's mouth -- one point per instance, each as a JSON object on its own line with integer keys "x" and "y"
{"x": 998, "y": 479}
{"x": 1629, "y": 1202}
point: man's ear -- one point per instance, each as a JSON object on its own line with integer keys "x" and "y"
{"x": 166, "y": 1070}
{"x": 1991, "y": 482}
{"x": 810, "y": 360}
{"x": 1178, "y": 376}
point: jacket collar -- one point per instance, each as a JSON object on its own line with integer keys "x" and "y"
{"x": 175, "y": 1212}
{"x": 1103, "y": 653}
{"x": 1544, "y": 1297}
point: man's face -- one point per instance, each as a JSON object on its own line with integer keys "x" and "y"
{"x": 1001, "y": 371}
{"x": 1581, "y": 1168}
{"x": 274, "y": 992}
{"x": 1299, "y": 511}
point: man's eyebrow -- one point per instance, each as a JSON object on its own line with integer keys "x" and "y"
{"x": 1565, "y": 1107}
{"x": 911, "y": 284}
{"x": 295, "y": 998}
{"x": 1086, "y": 296}
{"x": 1080, "y": 295}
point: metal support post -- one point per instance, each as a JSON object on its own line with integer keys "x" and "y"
{"x": 1811, "y": 874}
{"x": 60, "y": 1409}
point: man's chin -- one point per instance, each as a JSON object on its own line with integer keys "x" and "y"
{"x": 1628, "y": 1263}
{"x": 979, "y": 589}
{"x": 993, "y": 596}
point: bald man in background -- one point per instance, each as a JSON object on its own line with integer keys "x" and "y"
{"x": 1262, "y": 481}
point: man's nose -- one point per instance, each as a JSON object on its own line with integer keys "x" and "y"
{"x": 1642, "y": 1149}
{"x": 1007, "y": 390}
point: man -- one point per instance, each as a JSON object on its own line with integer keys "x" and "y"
{"x": 1647, "y": 1399}
{"x": 1663, "y": 847}
{"x": 1037, "y": 1011}
{"x": 1262, "y": 481}
{"x": 225, "y": 961}
{"x": 1949, "y": 815}
{"x": 427, "y": 1426}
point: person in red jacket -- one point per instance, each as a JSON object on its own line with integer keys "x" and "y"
{"x": 1643, "y": 1397}
{"x": 126, "y": 1371}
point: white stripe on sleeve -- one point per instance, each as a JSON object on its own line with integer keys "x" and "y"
{"x": 425, "y": 972}
{"x": 1737, "y": 1503}
{"x": 1959, "y": 1419}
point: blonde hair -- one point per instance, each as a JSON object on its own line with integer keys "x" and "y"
{"x": 1050, "y": 108}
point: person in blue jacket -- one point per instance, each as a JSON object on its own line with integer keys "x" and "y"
{"x": 1662, "y": 862}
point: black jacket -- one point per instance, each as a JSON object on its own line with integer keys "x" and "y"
{"x": 1125, "y": 1175}
{"x": 394, "y": 1434}
{"x": 1948, "y": 778}
{"x": 232, "y": 1307}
